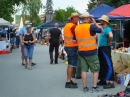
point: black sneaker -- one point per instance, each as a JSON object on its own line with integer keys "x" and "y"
{"x": 70, "y": 85}
{"x": 109, "y": 85}
{"x": 51, "y": 62}
{"x": 102, "y": 83}
{"x": 85, "y": 89}
{"x": 127, "y": 89}
{"x": 77, "y": 77}
{"x": 33, "y": 64}
{"x": 127, "y": 92}
{"x": 23, "y": 64}
{"x": 56, "y": 62}
{"x": 98, "y": 89}
{"x": 73, "y": 83}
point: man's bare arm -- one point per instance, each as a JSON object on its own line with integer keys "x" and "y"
{"x": 61, "y": 39}
{"x": 21, "y": 39}
{"x": 48, "y": 38}
{"x": 97, "y": 25}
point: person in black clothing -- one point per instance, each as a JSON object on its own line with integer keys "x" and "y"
{"x": 13, "y": 36}
{"x": 54, "y": 38}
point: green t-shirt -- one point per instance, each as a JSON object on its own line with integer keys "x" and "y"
{"x": 103, "y": 41}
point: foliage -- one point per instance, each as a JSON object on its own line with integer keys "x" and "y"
{"x": 31, "y": 10}
{"x": 62, "y": 14}
{"x": 48, "y": 7}
{"x": 114, "y": 3}
{"x": 92, "y": 4}
{"x": 18, "y": 17}
{"x": 7, "y": 8}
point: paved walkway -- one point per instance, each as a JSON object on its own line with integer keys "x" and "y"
{"x": 44, "y": 80}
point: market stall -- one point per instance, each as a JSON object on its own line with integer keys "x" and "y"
{"x": 121, "y": 56}
{"x": 4, "y": 36}
{"x": 121, "y": 60}
{"x": 116, "y": 29}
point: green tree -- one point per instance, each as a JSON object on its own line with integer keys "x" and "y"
{"x": 7, "y": 8}
{"x": 49, "y": 7}
{"x": 70, "y": 10}
{"x": 62, "y": 14}
{"x": 114, "y": 3}
{"x": 92, "y": 4}
{"x": 31, "y": 11}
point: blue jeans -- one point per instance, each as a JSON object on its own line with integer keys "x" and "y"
{"x": 13, "y": 40}
{"x": 72, "y": 55}
{"x": 28, "y": 51}
{"x": 17, "y": 41}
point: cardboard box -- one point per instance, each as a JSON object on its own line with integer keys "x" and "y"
{"x": 42, "y": 42}
{"x": 121, "y": 68}
{"x": 14, "y": 47}
{"x": 126, "y": 71}
{"x": 117, "y": 65}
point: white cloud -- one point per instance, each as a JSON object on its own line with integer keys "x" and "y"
{"x": 82, "y": 7}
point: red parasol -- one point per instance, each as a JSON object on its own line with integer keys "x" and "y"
{"x": 123, "y": 11}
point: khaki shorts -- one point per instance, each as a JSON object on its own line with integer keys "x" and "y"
{"x": 91, "y": 62}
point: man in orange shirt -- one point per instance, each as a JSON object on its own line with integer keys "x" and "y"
{"x": 87, "y": 49}
{"x": 71, "y": 48}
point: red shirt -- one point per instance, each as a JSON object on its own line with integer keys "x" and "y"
{"x": 73, "y": 28}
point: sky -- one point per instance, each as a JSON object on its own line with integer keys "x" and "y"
{"x": 79, "y": 5}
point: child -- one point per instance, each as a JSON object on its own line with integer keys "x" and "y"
{"x": 62, "y": 52}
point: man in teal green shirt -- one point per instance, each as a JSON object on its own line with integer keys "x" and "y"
{"x": 104, "y": 53}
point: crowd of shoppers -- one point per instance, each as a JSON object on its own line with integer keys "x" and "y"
{"x": 81, "y": 47}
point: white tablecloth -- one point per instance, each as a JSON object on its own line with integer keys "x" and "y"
{"x": 2, "y": 45}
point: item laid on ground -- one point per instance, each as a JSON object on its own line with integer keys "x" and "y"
{"x": 127, "y": 80}
{"x": 104, "y": 95}
{"x": 125, "y": 93}
{"x": 43, "y": 42}
{"x": 4, "y": 51}
{"x": 14, "y": 47}
{"x": 66, "y": 62}
{"x": 120, "y": 79}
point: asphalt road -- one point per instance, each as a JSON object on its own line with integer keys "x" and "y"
{"x": 44, "y": 80}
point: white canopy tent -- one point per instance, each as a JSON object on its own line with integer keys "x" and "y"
{"x": 4, "y": 22}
